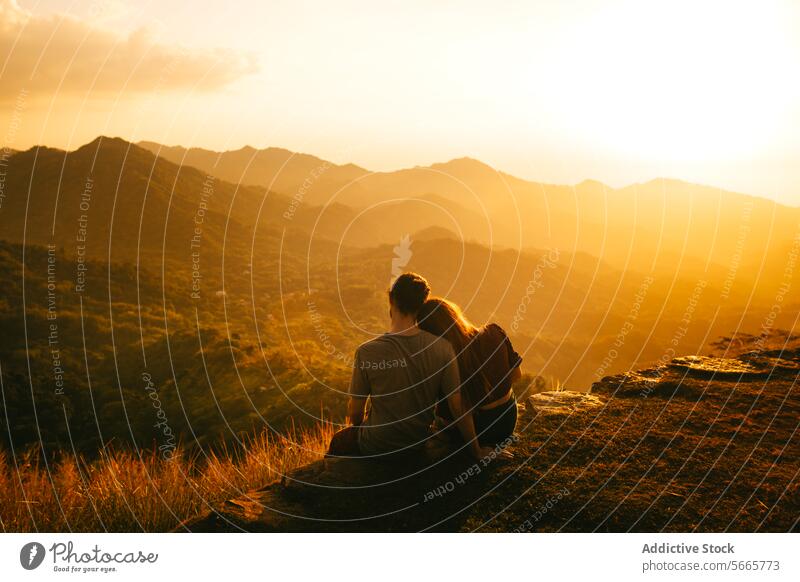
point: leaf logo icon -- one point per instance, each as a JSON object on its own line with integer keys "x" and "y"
{"x": 402, "y": 254}
{"x": 31, "y": 555}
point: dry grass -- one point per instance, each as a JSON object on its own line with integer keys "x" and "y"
{"x": 123, "y": 491}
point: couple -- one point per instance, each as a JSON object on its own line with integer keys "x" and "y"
{"x": 433, "y": 369}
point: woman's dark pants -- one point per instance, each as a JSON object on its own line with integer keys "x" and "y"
{"x": 496, "y": 425}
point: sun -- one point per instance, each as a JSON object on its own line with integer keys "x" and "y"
{"x": 689, "y": 82}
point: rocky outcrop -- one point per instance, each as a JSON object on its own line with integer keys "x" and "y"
{"x": 563, "y": 402}
{"x": 691, "y": 376}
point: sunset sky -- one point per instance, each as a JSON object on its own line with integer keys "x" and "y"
{"x": 619, "y": 91}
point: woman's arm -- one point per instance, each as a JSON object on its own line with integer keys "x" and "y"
{"x": 514, "y": 359}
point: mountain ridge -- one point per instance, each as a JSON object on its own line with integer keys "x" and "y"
{"x": 177, "y": 149}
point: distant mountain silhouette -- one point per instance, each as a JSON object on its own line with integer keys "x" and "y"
{"x": 150, "y": 204}
{"x": 434, "y": 233}
{"x": 643, "y": 226}
{"x": 118, "y": 199}
{"x": 276, "y": 169}
{"x": 465, "y": 222}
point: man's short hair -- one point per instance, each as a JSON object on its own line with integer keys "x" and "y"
{"x": 409, "y": 292}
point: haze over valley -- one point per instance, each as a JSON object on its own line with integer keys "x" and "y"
{"x": 238, "y": 283}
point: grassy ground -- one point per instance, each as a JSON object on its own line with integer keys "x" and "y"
{"x": 665, "y": 450}
{"x": 681, "y": 454}
{"x": 125, "y": 492}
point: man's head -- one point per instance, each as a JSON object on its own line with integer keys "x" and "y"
{"x": 408, "y": 293}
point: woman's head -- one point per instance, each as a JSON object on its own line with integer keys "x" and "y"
{"x": 444, "y": 318}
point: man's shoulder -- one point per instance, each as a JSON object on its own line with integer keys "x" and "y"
{"x": 369, "y": 346}
{"x": 437, "y": 344}
{"x": 428, "y": 341}
{"x": 378, "y": 344}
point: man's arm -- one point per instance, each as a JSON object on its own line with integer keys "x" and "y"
{"x": 355, "y": 410}
{"x": 359, "y": 392}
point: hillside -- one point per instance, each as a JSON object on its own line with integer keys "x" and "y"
{"x": 251, "y": 322}
{"x": 107, "y": 199}
{"x": 701, "y": 444}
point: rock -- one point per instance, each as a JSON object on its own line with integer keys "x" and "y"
{"x": 692, "y": 376}
{"x": 563, "y": 402}
{"x": 629, "y": 384}
{"x": 708, "y": 367}
{"x": 776, "y": 362}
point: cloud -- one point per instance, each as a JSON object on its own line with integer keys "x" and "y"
{"x": 58, "y": 53}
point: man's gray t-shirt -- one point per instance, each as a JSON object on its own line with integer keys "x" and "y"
{"x": 404, "y": 377}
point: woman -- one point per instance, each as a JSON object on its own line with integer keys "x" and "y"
{"x": 488, "y": 366}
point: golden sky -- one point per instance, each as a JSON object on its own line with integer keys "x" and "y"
{"x": 619, "y": 91}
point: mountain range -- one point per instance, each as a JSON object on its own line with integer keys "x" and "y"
{"x": 664, "y": 224}
{"x": 270, "y": 267}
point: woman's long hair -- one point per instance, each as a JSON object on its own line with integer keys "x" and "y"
{"x": 445, "y": 319}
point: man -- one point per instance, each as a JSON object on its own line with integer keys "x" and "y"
{"x": 403, "y": 374}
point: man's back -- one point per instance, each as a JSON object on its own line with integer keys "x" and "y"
{"x": 404, "y": 375}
